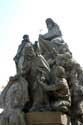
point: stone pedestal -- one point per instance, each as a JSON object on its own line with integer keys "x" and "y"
{"x": 47, "y": 118}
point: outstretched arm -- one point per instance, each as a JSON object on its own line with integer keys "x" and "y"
{"x": 55, "y": 87}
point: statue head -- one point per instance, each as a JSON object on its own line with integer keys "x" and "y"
{"x": 60, "y": 71}
{"x": 26, "y": 37}
{"x": 50, "y": 23}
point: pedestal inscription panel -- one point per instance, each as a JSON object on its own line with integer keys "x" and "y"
{"x": 47, "y": 118}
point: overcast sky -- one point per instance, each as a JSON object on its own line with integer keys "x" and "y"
{"x": 19, "y": 17}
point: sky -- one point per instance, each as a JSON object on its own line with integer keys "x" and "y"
{"x": 19, "y": 17}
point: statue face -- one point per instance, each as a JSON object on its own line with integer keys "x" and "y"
{"x": 49, "y": 26}
{"x": 26, "y": 38}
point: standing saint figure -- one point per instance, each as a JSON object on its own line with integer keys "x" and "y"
{"x": 20, "y": 56}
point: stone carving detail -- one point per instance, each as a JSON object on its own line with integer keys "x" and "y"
{"x": 47, "y": 79}
{"x": 53, "y": 30}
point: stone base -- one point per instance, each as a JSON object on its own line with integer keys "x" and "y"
{"x": 47, "y": 118}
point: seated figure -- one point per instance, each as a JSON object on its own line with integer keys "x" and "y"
{"x": 53, "y": 30}
{"x": 52, "y": 40}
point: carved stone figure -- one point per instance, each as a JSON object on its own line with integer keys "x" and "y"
{"x": 25, "y": 49}
{"x": 48, "y": 79}
{"x": 36, "y": 47}
{"x": 53, "y": 30}
{"x": 14, "y": 97}
{"x": 77, "y": 103}
{"x": 59, "y": 91}
{"x": 39, "y": 63}
{"x": 40, "y": 98}
{"x": 52, "y": 40}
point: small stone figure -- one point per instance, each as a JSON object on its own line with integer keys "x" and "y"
{"x": 53, "y": 30}
{"x": 36, "y": 48}
{"x": 59, "y": 91}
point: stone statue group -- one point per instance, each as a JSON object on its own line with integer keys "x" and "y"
{"x": 47, "y": 79}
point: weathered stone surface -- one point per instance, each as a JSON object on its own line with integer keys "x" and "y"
{"x": 53, "y": 30}
{"x": 14, "y": 97}
{"x": 48, "y": 80}
{"x": 25, "y": 52}
{"x": 47, "y": 118}
{"x": 60, "y": 94}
